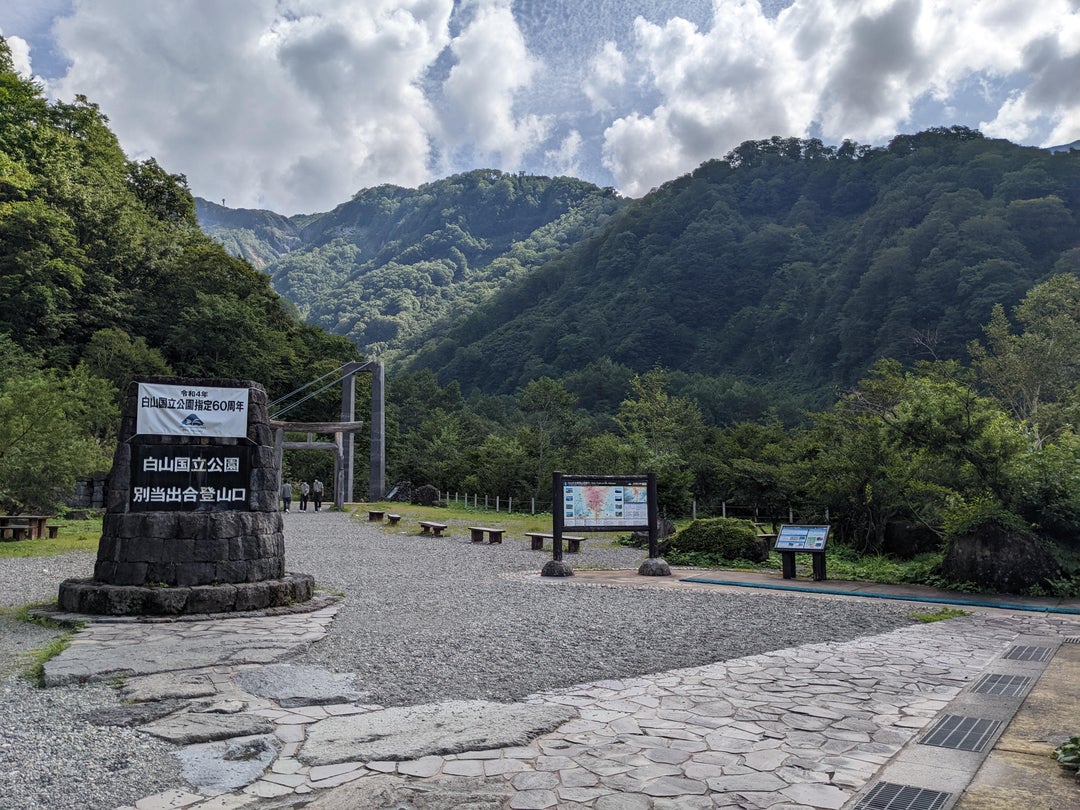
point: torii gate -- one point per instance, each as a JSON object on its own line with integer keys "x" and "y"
{"x": 343, "y": 431}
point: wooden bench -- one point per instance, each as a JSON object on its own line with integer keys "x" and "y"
{"x": 53, "y": 530}
{"x": 374, "y": 516}
{"x": 430, "y": 527}
{"x": 393, "y": 519}
{"x": 19, "y": 529}
{"x": 573, "y": 544}
{"x": 494, "y": 535}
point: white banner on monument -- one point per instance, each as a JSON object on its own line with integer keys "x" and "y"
{"x": 190, "y": 410}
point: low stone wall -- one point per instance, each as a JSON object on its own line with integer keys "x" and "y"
{"x": 190, "y": 548}
{"x": 87, "y": 596}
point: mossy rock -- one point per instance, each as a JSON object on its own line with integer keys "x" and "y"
{"x": 998, "y": 557}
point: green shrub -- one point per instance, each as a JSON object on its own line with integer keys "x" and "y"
{"x": 1068, "y": 754}
{"x": 970, "y": 517}
{"x": 720, "y": 538}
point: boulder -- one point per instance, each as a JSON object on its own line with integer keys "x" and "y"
{"x": 996, "y": 558}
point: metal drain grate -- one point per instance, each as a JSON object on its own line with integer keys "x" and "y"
{"x": 961, "y": 733}
{"x": 889, "y": 796}
{"x": 1071, "y": 640}
{"x": 1029, "y": 653}
{"x": 1007, "y": 685}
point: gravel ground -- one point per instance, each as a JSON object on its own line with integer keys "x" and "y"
{"x": 50, "y": 758}
{"x": 423, "y": 619}
{"x": 435, "y": 618}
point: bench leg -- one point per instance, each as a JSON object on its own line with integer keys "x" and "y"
{"x": 52, "y": 531}
{"x": 537, "y": 543}
{"x": 574, "y": 546}
{"x": 477, "y": 537}
{"x": 496, "y": 537}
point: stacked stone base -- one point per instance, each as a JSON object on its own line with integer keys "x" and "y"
{"x": 104, "y": 599}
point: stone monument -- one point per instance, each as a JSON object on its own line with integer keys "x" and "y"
{"x": 192, "y": 522}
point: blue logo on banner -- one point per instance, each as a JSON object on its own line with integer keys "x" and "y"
{"x": 192, "y": 421}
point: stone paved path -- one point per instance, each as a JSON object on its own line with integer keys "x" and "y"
{"x": 806, "y": 727}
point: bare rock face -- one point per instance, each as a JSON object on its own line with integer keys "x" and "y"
{"x": 999, "y": 559}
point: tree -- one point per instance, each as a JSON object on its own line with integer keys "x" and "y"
{"x": 667, "y": 429}
{"x": 548, "y": 411}
{"x": 1036, "y": 373}
{"x": 53, "y": 428}
{"x": 114, "y": 355}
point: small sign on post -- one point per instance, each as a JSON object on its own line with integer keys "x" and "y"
{"x": 809, "y": 539}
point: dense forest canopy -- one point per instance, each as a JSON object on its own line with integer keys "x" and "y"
{"x": 788, "y": 261}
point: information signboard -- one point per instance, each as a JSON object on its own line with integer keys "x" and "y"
{"x": 183, "y": 410}
{"x": 192, "y": 478}
{"x": 600, "y": 503}
{"x": 802, "y": 538}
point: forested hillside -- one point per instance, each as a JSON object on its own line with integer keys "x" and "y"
{"x": 104, "y": 274}
{"x": 788, "y": 261}
{"x": 385, "y": 266}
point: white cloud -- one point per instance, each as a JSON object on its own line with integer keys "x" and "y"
{"x": 851, "y": 69}
{"x": 737, "y": 81}
{"x": 287, "y": 105}
{"x": 607, "y": 72}
{"x": 565, "y": 159}
{"x": 493, "y": 65}
{"x": 1053, "y": 94}
{"x": 297, "y": 104}
{"x": 20, "y": 55}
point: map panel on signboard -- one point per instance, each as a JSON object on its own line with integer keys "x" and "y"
{"x": 802, "y": 538}
{"x": 592, "y": 505}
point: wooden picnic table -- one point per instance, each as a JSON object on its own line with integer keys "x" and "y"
{"x": 26, "y": 526}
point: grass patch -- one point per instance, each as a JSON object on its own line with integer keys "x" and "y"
{"x": 938, "y": 615}
{"x": 74, "y": 535}
{"x": 35, "y": 660}
{"x": 31, "y": 664}
{"x": 516, "y": 524}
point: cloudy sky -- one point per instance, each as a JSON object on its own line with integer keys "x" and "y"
{"x": 294, "y": 105}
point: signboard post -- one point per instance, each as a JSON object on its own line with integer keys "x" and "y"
{"x": 809, "y": 539}
{"x": 604, "y": 503}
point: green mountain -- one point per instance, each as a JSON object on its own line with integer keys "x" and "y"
{"x": 384, "y": 267}
{"x": 790, "y": 262}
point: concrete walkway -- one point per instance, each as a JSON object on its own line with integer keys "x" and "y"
{"x": 838, "y": 725}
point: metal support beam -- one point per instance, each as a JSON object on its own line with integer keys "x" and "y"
{"x": 377, "y": 477}
{"x": 343, "y": 432}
